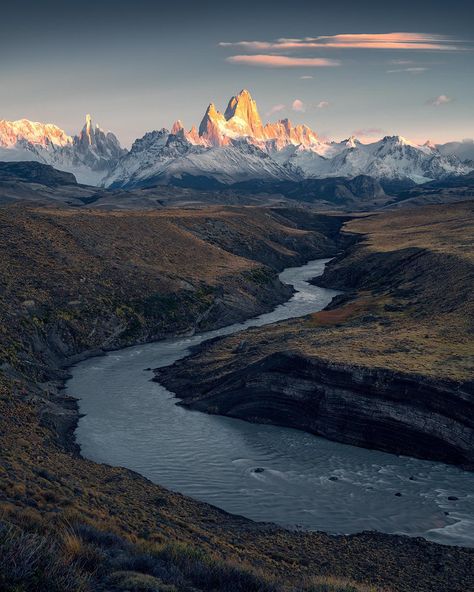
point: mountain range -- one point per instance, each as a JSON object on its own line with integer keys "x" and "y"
{"x": 229, "y": 149}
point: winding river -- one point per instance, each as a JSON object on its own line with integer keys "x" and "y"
{"x": 307, "y": 482}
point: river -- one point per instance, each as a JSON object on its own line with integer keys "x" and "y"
{"x": 307, "y": 482}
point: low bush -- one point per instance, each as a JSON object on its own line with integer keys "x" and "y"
{"x": 33, "y": 562}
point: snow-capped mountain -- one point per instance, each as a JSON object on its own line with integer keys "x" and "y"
{"x": 392, "y": 157}
{"x": 227, "y": 148}
{"x": 241, "y": 120}
{"x": 464, "y": 150}
{"x": 162, "y": 158}
{"x": 236, "y": 146}
{"x": 89, "y": 156}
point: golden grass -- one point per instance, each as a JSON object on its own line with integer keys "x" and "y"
{"x": 444, "y": 229}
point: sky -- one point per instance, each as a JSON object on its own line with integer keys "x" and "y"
{"x": 368, "y": 68}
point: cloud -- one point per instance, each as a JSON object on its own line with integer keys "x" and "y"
{"x": 439, "y": 101}
{"x": 412, "y": 41}
{"x": 306, "y": 77}
{"x": 368, "y": 132}
{"x": 276, "y": 109}
{"x": 368, "y": 135}
{"x": 416, "y": 70}
{"x": 298, "y": 105}
{"x": 274, "y": 61}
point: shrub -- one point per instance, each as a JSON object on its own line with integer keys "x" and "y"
{"x": 207, "y": 573}
{"x": 33, "y": 562}
{"x": 132, "y": 581}
{"x": 329, "y": 584}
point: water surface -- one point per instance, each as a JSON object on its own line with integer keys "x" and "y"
{"x": 307, "y": 482}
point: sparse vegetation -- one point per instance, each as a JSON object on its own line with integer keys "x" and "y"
{"x": 71, "y": 281}
{"x": 80, "y": 558}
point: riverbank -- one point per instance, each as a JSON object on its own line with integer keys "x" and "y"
{"x": 78, "y": 281}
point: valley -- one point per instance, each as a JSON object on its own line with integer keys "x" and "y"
{"x": 77, "y": 282}
{"x": 236, "y": 296}
{"x": 388, "y": 365}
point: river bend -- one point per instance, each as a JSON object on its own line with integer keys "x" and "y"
{"x": 307, "y": 482}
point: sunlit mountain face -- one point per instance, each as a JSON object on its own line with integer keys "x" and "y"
{"x": 241, "y": 119}
{"x": 90, "y": 154}
{"x": 226, "y": 148}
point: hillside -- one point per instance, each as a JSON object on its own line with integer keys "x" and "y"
{"x": 75, "y": 281}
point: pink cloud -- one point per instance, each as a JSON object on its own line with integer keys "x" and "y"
{"x": 439, "y": 101}
{"x": 370, "y": 131}
{"x": 298, "y": 105}
{"x": 274, "y": 61}
{"x": 413, "y": 41}
{"x": 322, "y": 105}
{"x": 276, "y": 109}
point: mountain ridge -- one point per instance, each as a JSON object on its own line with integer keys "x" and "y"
{"x": 228, "y": 148}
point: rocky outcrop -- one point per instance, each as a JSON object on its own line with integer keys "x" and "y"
{"x": 369, "y": 407}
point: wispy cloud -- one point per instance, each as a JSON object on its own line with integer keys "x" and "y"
{"x": 274, "y": 61}
{"x": 298, "y": 105}
{"x": 439, "y": 101}
{"x": 412, "y": 41}
{"x": 368, "y": 132}
{"x": 276, "y": 109}
{"x": 306, "y": 77}
{"x": 414, "y": 70}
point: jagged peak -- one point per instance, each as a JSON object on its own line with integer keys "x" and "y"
{"x": 286, "y": 123}
{"x": 241, "y": 119}
{"x": 245, "y": 108}
{"x": 397, "y": 140}
{"x": 243, "y": 97}
{"x": 351, "y": 141}
{"x": 88, "y": 128}
{"x": 211, "y": 110}
{"x": 177, "y": 127}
